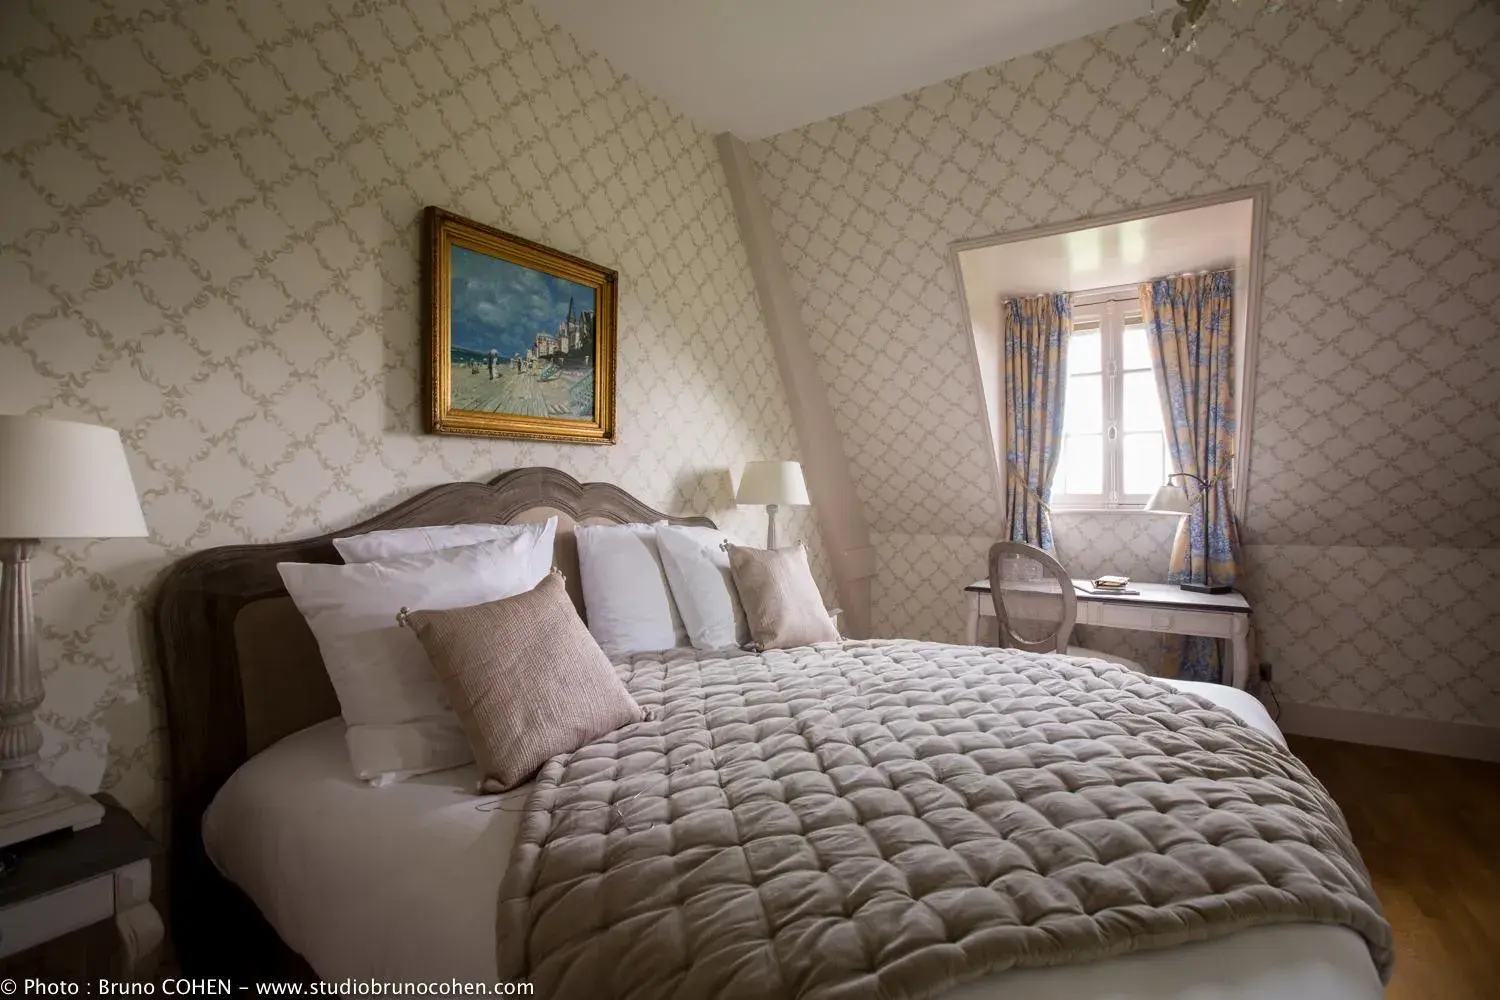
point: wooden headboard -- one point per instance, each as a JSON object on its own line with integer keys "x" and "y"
{"x": 241, "y": 669}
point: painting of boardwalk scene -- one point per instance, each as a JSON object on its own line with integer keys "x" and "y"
{"x": 520, "y": 337}
{"x": 522, "y": 343}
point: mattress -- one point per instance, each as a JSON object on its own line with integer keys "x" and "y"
{"x": 400, "y": 884}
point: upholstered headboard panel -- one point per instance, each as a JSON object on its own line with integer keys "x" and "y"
{"x": 240, "y": 667}
{"x": 283, "y": 686}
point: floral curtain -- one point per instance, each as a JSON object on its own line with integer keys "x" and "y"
{"x": 1188, "y": 319}
{"x": 1036, "y": 332}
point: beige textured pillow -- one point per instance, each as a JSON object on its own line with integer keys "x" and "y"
{"x": 781, "y": 599}
{"x": 525, "y": 678}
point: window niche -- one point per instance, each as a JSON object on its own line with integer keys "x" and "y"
{"x": 1113, "y": 442}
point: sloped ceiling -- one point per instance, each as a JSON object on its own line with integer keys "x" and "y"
{"x": 1377, "y": 408}
{"x": 756, "y": 67}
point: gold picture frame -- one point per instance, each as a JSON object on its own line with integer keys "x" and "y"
{"x": 505, "y": 356}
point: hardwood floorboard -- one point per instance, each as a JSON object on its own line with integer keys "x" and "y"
{"x": 1429, "y": 830}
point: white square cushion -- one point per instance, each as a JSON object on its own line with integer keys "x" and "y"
{"x": 697, "y": 564}
{"x": 397, "y": 717}
{"x": 374, "y": 545}
{"x": 625, "y": 589}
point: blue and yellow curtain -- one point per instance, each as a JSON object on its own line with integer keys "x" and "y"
{"x": 1188, "y": 318}
{"x": 1035, "y": 336}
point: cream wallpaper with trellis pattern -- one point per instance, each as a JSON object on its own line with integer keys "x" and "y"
{"x": 1376, "y": 124}
{"x": 210, "y": 241}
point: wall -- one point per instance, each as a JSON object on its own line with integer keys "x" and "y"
{"x": 846, "y": 532}
{"x": 210, "y": 242}
{"x": 1375, "y": 468}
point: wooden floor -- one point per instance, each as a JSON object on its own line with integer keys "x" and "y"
{"x": 1429, "y": 830}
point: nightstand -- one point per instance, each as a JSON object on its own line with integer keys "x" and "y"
{"x": 68, "y": 880}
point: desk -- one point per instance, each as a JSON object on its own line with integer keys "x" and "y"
{"x": 1159, "y": 607}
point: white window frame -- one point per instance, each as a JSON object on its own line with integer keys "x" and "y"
{"x": 1111, "y": 310}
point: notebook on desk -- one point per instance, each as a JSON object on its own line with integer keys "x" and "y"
{"x": 1109, "y": 583}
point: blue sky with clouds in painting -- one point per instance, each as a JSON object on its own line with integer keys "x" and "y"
{"x": 501, "y": 306}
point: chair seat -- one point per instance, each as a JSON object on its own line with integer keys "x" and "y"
{"x": 1094, "y": 654}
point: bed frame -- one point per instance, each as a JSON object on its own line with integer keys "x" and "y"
{"x": 241, "y": 670}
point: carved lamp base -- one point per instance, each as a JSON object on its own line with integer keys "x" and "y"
{"x": 67, "y": 808}
{"x": 30, "y": 805}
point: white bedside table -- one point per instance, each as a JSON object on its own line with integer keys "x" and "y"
{"x": 1159, "y": 607}
{"x": 68, "y": 880}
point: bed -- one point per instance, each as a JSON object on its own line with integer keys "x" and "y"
{"x": 284, "y": 866}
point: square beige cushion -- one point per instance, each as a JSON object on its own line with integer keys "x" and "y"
{"x": 782, "y": 604}
{"x": 526, "y": 679}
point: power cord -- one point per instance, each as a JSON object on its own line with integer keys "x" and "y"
{"x": 1267, "y": 688}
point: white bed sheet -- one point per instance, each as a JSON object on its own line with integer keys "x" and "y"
{"x": 400, "y": 884}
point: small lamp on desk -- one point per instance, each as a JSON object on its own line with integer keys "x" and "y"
{"x": 772, "y": 484}
{"x": 58, "y": 479}
{"x": 1171, "y": 499}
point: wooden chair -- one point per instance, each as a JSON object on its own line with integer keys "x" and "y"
{"x": 1035, "y": 603}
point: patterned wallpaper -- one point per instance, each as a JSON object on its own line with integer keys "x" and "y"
{"x": 1377, "y": 407}
{"x": 210, "y": 242}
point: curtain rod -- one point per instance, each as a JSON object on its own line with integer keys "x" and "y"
{"x": 1179, "y": 274}
{"x": 1129, "y": 288}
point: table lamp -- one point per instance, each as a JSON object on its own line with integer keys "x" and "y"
{"x": 1170, "y": 499}
{"x": 58, "y": 479}
{"x": 771, "y": 484}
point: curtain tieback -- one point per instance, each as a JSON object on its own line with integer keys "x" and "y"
{"x": 1020, "y": 480}
{"x": 1220, "y": 474}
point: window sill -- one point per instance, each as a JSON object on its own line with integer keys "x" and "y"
{"x": 1108, "y": 510}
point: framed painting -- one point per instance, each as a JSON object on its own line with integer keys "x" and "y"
{"x": 520, "y": 339}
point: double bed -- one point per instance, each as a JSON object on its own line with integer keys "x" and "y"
{"x": 283, "y": 864}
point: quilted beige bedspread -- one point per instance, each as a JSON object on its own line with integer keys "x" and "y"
{"x": 893, "y": 818}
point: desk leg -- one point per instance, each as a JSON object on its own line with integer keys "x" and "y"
{"x": 1238, "y": 666}
{"x": 971, "y": 626}
{"x": 139, "y": 925}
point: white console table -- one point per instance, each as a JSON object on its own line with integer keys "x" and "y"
{"x": 1159, "y": 607}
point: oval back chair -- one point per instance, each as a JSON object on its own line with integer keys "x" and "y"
{"x": 1035, "y": 603}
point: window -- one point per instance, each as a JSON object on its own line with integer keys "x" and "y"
{"x": 1114, "y": 451}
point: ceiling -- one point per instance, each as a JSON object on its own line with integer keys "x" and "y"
{"x": 758, "y": 67}
{"x": 1124, "y": 253}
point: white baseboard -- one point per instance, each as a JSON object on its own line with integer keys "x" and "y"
{"x": 1451, "y": 739}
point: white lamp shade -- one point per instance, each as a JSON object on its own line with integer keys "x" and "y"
{"x": 60, "y": 479}
{"x": 780, "y": 483}
{"x": 1170, "y": 499}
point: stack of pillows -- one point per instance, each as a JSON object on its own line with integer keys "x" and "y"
{"x": 455, "y": 643}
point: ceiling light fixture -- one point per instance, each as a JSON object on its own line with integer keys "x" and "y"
{"x": 1190, "y": 13}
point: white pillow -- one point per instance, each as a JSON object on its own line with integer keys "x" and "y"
{"x": 397, "y": 716}
{"x": 375, "y": 545}
{"x": 625, "y": 589}
{"x": 697, "y": 565}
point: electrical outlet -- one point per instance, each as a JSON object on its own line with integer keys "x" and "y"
{"x": 1265, "y": 673}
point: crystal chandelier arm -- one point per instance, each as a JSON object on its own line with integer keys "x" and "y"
{"x": 1188, "y": 15}
{"x": 1190, "y": 12}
